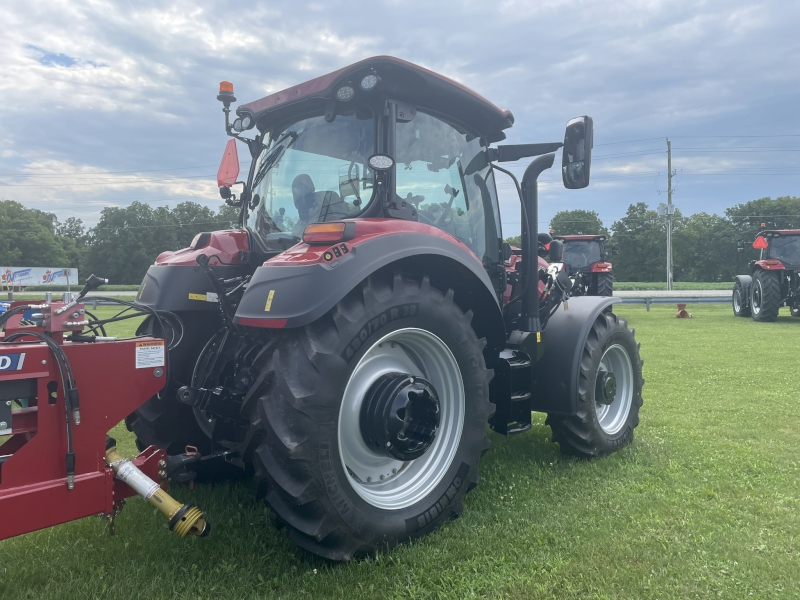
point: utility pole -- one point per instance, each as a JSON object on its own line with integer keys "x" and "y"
{"x": 670, "y": 210}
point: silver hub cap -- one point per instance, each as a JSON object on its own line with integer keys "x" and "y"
{"x": 382, "y": 481}
{"x": 757, "y": 295}
{"x": 613, "y": 416}
{"x": 737, "y": 300}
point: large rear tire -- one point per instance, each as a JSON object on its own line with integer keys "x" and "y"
{"x": 163, "y": 421}
{"x": 609, "y": 392}
{"x": 338, "y": 495}
{"x": 604, "y": 285}
{"x": 740, "y": 307}
{"x": 765, "y": 296}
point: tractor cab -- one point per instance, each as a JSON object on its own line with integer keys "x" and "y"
{"x": 779, "y": 245}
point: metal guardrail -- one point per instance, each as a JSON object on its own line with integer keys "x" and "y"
{"x": 677, "y": 300}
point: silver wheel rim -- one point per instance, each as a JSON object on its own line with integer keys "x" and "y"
{"x": 757, "y": 296}
{"x": 737, "y": 304}
{"x": 612, "y": 417}
{"x": 384, "y": 482}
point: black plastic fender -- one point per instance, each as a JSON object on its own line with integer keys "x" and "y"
{"x": 303, "y": 293}
{"x": 745, "y": 281}
{"x": 183, "y": 287}
{"x": 555, "y": 376}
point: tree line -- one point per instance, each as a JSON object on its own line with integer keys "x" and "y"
{"x": 704, "y": 246}
{"x": 123, "y": 244}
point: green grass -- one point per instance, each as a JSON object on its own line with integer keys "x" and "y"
{"x": 704, "y": 504}
{"x": 636, "y": 286}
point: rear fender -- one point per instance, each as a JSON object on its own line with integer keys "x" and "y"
{"x": 286, "y": 295}
{"x": 555, "y": 376}
{"x": 745, "y": 281}
{"x": 769, "y": 264}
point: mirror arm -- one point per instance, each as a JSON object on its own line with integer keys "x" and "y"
{"x": 510, "y": 153}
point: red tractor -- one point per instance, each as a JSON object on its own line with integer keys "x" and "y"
{"x": 351, "y": 341}
{"x": 585, "y": 259}
{"x": 775, "y": 279}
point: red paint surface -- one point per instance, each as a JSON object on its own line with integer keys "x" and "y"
{"x": 366, "y": 230}
{"x": 319, "y": 85}
{"x": 770, "y": 264}
{"x": 511, "y": 267}
{"x": 601, "y": 267}
{"x": 266, "y": 323}
{"x": 33, "y": 481}
{"x": 222, "y": 247}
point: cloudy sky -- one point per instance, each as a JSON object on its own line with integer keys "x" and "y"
{"x": 104, "y": 103}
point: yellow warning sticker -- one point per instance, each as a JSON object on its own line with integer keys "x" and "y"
{"x": 141, "y": 291}
{"x": 538, "y": 337}
{"x": 269, "y": 300}
{"x": 197, "y": 297}
{"x": 150, "y": 354}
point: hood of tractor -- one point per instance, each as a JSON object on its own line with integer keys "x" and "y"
{"x": 400, "y": 80}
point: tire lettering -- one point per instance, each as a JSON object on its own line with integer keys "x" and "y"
{"x": 438, "y": 507}
{"x": 392, "y": 314}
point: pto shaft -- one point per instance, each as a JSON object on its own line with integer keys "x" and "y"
{"x": 184, "y": 519}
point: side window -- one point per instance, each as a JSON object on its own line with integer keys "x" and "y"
{"x": 439, "y": 170}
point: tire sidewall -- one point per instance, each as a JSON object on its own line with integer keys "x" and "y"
{"x": 439, "y": 318}
{"x": 607, "y": 442}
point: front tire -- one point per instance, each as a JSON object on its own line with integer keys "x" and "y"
{"x": 765, "y": 296}
{"x": 740, "y": 307}
{"x": 339, "y": 496}
{"x": 609, "y": 392}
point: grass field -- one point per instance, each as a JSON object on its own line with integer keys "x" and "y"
{"x": 704, "y": 504}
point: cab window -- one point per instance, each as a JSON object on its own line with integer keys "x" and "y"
{"x": 442, "y": 171}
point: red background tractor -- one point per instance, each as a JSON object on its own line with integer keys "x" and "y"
{"x": 775, "y": 279}
{"x": 585, "y": 258}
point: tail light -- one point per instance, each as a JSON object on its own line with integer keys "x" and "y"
{"x": 324, "y": 233}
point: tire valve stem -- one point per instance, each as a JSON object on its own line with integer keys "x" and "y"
{"x": 184, "y": 519}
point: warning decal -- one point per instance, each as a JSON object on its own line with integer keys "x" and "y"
{"x": 149, "y": 354}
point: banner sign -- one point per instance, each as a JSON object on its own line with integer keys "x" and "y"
{"x": 25, "y": 276}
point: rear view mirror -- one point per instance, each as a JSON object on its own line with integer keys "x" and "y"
{"x": 740, "y": 246}
{"x": 614, "y": 248}
{"x": 556, "y": 251}
{"x": 229, "y": 167}
{"x": 576, "y": 159}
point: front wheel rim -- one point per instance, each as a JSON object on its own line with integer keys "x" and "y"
{"x": 737, "y": 303}
{"x": 385, "y": 482}
{"x": 613, "y": 417}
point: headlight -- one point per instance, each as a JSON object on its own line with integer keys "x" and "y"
{"x": 345, "y": 93}
{"x": 369, "y": 82}
{"x": 381, "y": 162}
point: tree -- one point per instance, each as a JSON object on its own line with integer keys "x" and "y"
{"x": 577, "y": 222}
{"x": 642, "y": 240}
{"x": 28, "y": 238}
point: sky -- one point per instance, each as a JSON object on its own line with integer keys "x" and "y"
{"x": 105, "y": 103}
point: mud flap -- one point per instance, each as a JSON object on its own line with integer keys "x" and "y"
{"x": 555, "y": 376}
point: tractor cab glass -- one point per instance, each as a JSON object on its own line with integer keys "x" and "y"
{"x": 312, "y": 171}
{"x": 434, "y": 173}
{"x": 580, "y": 254}
{"x": 786, "y": 249}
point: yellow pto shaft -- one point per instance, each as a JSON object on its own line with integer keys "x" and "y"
{"x": 184, "y": 519}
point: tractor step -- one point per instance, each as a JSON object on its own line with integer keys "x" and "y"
{"x": 510, "y": 391}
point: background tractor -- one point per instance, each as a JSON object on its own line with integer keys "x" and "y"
{"x": 585, "y": 259}
{"x": 775, "y": 279}
{"x": 351, "y": 341}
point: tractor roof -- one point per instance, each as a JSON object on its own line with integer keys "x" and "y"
{"x": 399, "y": 80}
{"x": 779, "y": 232}
{"x": 581, "y": 238}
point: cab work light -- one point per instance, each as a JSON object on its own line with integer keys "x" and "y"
{"x": 324, "y": 233}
